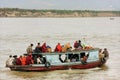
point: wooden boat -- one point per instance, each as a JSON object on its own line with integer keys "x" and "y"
{"x": 60, "y": 61}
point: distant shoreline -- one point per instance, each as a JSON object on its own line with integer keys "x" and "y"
{"x": 16, "y": 12}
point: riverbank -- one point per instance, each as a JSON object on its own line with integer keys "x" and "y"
{"x": 16, "y": 12}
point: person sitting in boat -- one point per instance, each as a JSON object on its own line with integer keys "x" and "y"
{"x": 9, "y": 61}
{"x": 16, "y": 60}
{"x": 49, "y": 49}
{"x": 23, "y": 60}
{"x": 106, "y": 54}
{"x": 88, "y": 47}
{"x": 84, "y": 59}
{"x": 76, "y": 44}
{"x": 66, "y": 47}
{"x": 101, "y": 55}
{"x": 44, "y": 48}
{"x": 29, "y": 59}
{"x": 58, "y": 48}
{"x": 80, "y": 45}
{"x": 73, "y": 59}
{"x": 35, "y": 59}
{"x": 29, "y": 49}
{"x": 38, "y": 48}
{"x": 39, "y": 60}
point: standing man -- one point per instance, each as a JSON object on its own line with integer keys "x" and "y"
{"x": 106, "y": 53}
{"x": 29, "y": 49}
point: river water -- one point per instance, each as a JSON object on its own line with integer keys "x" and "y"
{"x": 17, "y": 33}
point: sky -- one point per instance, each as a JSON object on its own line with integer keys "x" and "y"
{"x": 62, "y": 4}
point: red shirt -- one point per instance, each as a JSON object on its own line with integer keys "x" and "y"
{"x": 44, "y": 48}
{"x": 29, "y": 59}
{"x": 58, "y": 48}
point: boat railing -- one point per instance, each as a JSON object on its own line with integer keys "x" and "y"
{"x": 67, "y": 52}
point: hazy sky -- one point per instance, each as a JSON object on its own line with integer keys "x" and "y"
{"x": 62, "y": 4}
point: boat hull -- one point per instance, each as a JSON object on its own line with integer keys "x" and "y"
{"x": 55, "y": 67}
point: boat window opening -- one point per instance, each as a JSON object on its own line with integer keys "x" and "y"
{"x": 69, "y": 56}
{"x": 63, "y": 58}
{"x": 82, "y": 55}
{"x": 73, "y": 57}
{"x": 93, "y": 56}
{"x": 53, "y": 59}
{"x": 42, "y": 58}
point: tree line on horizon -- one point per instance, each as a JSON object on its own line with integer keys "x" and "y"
{"x": 19, "y": 12}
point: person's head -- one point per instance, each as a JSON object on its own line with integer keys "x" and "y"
{"x": 10, "y": 56}
{"x": 105, "y": 49}
{"x": 20, "y": 56}
{"x": 58, "y": 43}
{"x": 38, "y": 43}
{"x": 31, "y": 44}
{"x": 44, "y": 43}
{"x": 79, "y": 41}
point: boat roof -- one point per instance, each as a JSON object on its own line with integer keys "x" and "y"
{"x": 68, "y": 52}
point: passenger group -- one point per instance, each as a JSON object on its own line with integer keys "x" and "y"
{"x": 59, "y": 48}
{"x": 29, "y": 59}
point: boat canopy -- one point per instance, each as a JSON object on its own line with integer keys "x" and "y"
{"x": 54, "y": 57}
{"x": 93, "y": 55}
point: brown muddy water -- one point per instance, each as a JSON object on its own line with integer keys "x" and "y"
{"x": 17, "y": 33}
